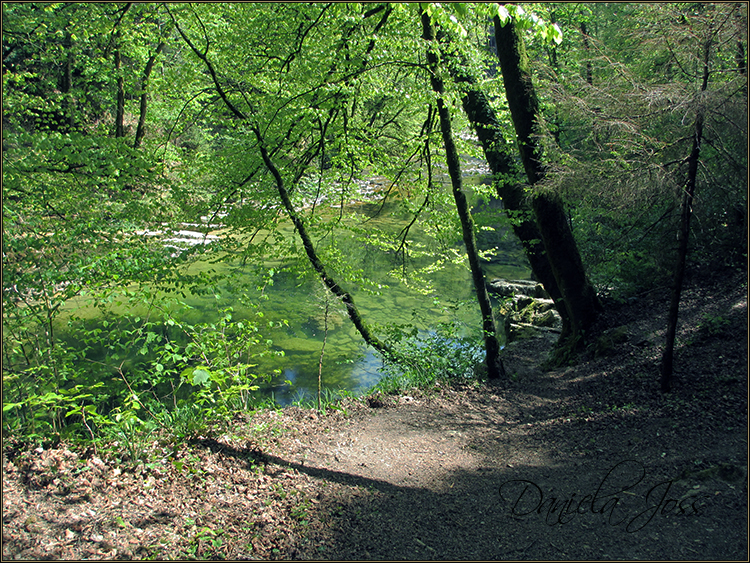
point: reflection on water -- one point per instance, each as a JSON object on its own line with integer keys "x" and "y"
{"x": 360, "y": 375}
{"x": 348, "y": 364}
{"x": 299, "y": 301}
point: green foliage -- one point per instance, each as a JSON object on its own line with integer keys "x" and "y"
{"x": 423, "y": 359}
{"x": 341, "y": 96}
{"x": 127, "y": 374}
{"x": 206, "y": 543}
{"x": 225, "y": 378}
{"x": 713, "y": 325}
{"x": 549, "y": 32}
{"x": 330, "y": 400}
{"x": 621, "y": 261}
{"x": 621, "y": 101}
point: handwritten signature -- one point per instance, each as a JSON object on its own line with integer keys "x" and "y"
{"x": 527, "y": 497}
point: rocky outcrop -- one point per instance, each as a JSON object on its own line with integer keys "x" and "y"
{"x": 507, "y": 288}
{"x": 528, "y": 310}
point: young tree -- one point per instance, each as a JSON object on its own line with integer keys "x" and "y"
{"x": 495, "y": 368}
{"x": 627, "y": 142}
{"x": 711, "y": 28}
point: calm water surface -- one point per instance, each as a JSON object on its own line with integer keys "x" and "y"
{"x": 348, "y": 364}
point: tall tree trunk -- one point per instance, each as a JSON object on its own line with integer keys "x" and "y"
{"x": 552, "y": 48}
{"x": 667, "y": 361}
{"x": 140, "y": 131}
{"x": 484, "y": 121}
{"x": 487, "y": 127}
{"x": 577, "y": 292}
{"x": 739, "y": 54}
{"x": 495, "y": 369}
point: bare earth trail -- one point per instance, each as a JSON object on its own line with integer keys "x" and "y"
{"x": 423, "y": 481}
{"x": 577, "y": 463}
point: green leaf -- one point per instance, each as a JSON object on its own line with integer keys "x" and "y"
{"x": 556, "y": 33}
{"x": 201, "y": 376}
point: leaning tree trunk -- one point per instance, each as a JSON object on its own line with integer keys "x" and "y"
{"x": 312, "y": 255}
{"x": 299, "y": 224}
{"x": 495, "y": 369}
{"x": 484, "y": 121}
{"x": 667, "y": 360}
{"x": 577, "y": 292}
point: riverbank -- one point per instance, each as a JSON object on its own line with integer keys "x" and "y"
{"x": 612, "y": 468}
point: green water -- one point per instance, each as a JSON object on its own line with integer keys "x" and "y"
{"x": 348, "y": 364}
{"x": 299, "y": 302}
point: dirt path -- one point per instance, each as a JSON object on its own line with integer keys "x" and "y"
{"x": 586, "y": 462}
{"x": 433, "y": 478}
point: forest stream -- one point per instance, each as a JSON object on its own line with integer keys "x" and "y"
{"x": 295, "y": 305}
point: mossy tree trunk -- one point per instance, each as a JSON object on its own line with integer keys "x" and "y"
{"x": 495, "y": 369}
{"x": 578, "y": 294}
{"x": 487, "y": 127}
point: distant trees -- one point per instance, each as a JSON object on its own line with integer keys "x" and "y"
{"x": 713, "y": 27}
{"x": 650, "y": 115}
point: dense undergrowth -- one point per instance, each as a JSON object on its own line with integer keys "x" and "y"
{"x": 150, "y": 377}
{"x": 127, "y": 379}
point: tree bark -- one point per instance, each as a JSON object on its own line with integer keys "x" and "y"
{"x": 487, "y": 127}
{"x": 667, "y": 361}
{"x": 312, "y": 255}
{"x": 578, "y": 295}
{"x": 739, "y": 54}
{"x": 495, "y": 369}
{"x": 484, "y": 121}
{"x": 140, "y": 131}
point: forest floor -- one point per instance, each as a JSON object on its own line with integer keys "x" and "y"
{"x": 583, "y": 462}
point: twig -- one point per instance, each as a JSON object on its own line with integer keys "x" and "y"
{"x": 86, "y": 424}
